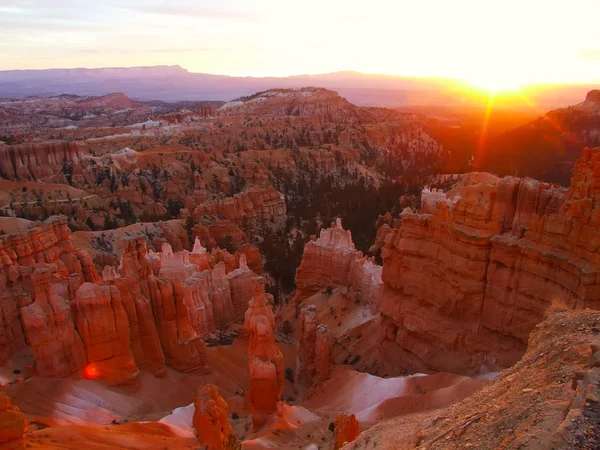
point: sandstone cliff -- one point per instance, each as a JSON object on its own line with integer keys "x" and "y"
{"x": 332, "y": 260}
{"x": 468, "y": 278}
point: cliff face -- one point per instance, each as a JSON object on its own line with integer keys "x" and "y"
{"x": 40, "y": 161}
{"x": 154, "y": 309}
{"x": 332, "y": 260}
{"x": 468, "y": 278}
{"x": 250, "y": 208}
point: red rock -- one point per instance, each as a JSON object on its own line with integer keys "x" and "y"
{"x": 265, "y": 360}
{"x": 477, "y": 269}
{"x": 57, "y": 347}
{"x": 40, "y": 161}
{"x": 103, "y": 326}
{"x": 210, "y": 418}
{"x": 323, "y": 353}
{"x": 347, "y": 429}
{"x": 305, "y": 365}
{"x": 13, "y": 425}
{"x": 242, "y": 282}
{"x": 332, "y": 260}
{"x": 253, "y": 257}
{"x": 253, "y": 206}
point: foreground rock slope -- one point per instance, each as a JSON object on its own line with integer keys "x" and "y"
{"x": 549, "y": 399}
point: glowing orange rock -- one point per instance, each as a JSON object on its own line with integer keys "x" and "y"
{"x": 265, "y": 360}
{"x": 346, "y": 430}
{"x": 12, "y": 425}
{"x": 210, "y": 418}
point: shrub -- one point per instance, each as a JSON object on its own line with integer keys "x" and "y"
{"x": 289, "y": 374}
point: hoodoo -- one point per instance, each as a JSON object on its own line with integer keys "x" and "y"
{"x": 210, "y": 419}
{"x": 265, "y": 360}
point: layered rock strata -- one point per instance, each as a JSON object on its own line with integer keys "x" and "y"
{"x": 265, "y": 360}
{"x": 468, "y": 278}
{"x": 153, "y": 309}
{"x": 332, "y": 260}
{"x": 252, "y": 207}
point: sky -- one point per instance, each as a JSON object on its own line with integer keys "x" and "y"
{"x": 508, "y": 42}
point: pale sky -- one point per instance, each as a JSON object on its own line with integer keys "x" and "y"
{"x": 507, "y": 41}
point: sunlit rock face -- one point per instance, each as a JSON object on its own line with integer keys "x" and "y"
{"x": 468, "y": 278}
{"x": 346, "y": 430}
{"x": 13, "y": 425}
{"x": 210, "y": 418}
{"x": 332, "y": 260}
{"x": 102, "y": 323}
{"x": 265, "y": 360}
{"x": 152, "y": 310}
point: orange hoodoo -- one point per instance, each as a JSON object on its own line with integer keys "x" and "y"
{"x": 347, "y": 429}
{"x": 210, "y": 418}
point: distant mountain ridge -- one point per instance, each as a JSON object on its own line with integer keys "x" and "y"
{"x": 547, "y": 147}
{"x": 174, "y": 83}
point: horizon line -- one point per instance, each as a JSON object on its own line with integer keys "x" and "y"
{"x": 342, "y": 71}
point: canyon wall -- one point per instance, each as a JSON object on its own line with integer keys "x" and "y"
{"x": 332, "y": 260}
{"x": 468, "y": 278}
{"x": 154, "y": 309}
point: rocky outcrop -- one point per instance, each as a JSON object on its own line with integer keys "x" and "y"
{"x": 346, "y": 430}
{"x": 332, "y": 260}
{"x": 40, "y": 161}
{"x": 210, "y": 418}
{"x": 305, "y": 364}
{"x": 265, "y": 360}
{"x": 13, "y": 425}
{"x": 323, "y": 353}
{"x": 468, "y": 278}
{"x": 313, "y": 363}
{"x": 154, "y": 309}
{"x": 252, "y": 207}
{"x": 102, "y": 323}
{"x": 57, "y": 347}
{"x": 547, "y": 400}
{"x": 242, "y": 282}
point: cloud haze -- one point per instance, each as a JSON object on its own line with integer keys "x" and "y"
{"x": 529, "y": 41}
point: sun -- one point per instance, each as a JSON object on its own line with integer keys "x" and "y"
{"x": 496, "y": 83}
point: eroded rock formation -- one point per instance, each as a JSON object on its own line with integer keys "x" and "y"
{"x": 12, "y": 425}
{"x": 251, "y": 207}
{"x": 265, "y": 360}
{"x": 346, "y": 430}
{"x": 332, "y": 260}
{"x": 154, "y": 309}
{"x": 468, "y": 278}
{"x": 210, "y": 418}
{"x": 103, "y": 326}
